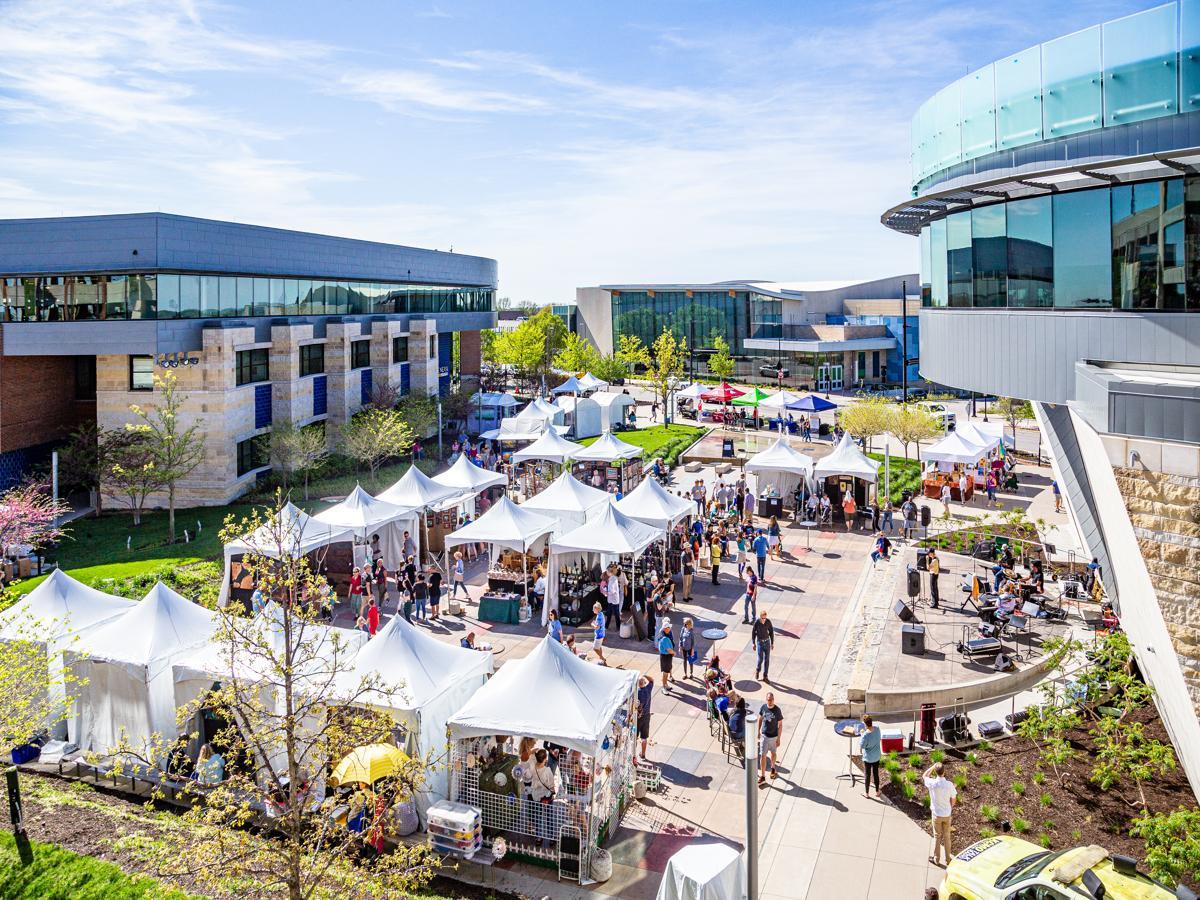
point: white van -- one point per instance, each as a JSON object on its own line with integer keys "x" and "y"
{"x": 946, "y": 419}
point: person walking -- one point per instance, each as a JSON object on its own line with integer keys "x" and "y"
{"x": 770, "y": 736}
{"x": 741, "y": 553}
{"x": 1057, "y": 495}
{"x": 598, "y": 640}
{"x": 460, "y": 576}
{"x": 849, "y": 510}
{"x": 935, "y": 569}
{"x": 889, "y": 511}
{"x": 420, "y": 595}
{"x": 761, "y": 545}
{"x": 870, "y": 744}
{"x": 666, "y": 654}
{"x": 775, "y": 538}
{"x": 946, "y": 499}
{"x": 356, "y": 592}
{"x": 645, "y": 691}
{"x": 990, "y": 487}
{"x": 688, "y": 565}
{"x": 942, "y": 797}
{"x": 910, "y": 517}
{"x": 687, "y": 646}
{"x": 435, "y": 592}
{"x": 750, "y": 599}
{"x": 372, "y": 617}
{"x": 762, "y": 635}
{"x": 715, "y": 555}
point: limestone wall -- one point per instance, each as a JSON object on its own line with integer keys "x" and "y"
{"x": 1165, "y": 512}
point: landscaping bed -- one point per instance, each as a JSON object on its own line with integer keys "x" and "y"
{"x": 1035, "y": 804}
{"x": 667, "y": 441}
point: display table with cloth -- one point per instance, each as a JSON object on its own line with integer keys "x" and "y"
{"x": 704, "y": 871}
{"x": 770, "y": 506}
{"x": 500, "y": 607}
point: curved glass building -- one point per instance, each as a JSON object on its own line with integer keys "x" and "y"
{"x": 1055, "y": 194}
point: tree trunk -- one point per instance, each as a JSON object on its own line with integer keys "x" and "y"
{"x": 137, "y": 515}
{"x": 171, "y": 513}
{"x": 306, "y": 485}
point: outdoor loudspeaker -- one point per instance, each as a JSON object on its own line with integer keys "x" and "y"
{"x": 914, "y": 582}
{"x": 903, "y": 611}
{"x": 912, "y": 640}
{"x": 926, "y": 516}
{"x": 922, "y": 560}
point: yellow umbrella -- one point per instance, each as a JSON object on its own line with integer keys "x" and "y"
{"x": 370, "y": 763}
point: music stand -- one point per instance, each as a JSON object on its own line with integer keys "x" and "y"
{"x": 1020, "y": 625}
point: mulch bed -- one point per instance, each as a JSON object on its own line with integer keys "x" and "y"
{"x": 92, "y": 832}
{"x": 1079, "y": 812}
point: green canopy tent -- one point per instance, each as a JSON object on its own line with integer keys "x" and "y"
{"x": 752, "y": 398}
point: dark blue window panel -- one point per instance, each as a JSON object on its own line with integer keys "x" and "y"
{"x": 405, "y": 380}
{"x": 366, "y": 384}
{"x": 445, "y": 356}
{"x": 262, "y": 405}
{"x": 320, "y": 403}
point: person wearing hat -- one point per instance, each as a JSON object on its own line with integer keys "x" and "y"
{"x": 666, "y": 653}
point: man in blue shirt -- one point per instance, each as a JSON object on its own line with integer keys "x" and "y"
{"x": 598, "y": 643}
{"x": 761, "y": 545}
{"x": 666, "y": 653}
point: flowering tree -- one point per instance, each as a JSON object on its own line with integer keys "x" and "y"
{"x": 29, "y": 515}
{"x": 34, "y": 696}
{"x": 374, "y": 435}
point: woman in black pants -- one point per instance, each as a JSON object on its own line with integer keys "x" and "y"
{"x": 872, "y": 752}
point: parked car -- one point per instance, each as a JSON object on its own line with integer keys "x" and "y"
{"x": 773, "y": 372}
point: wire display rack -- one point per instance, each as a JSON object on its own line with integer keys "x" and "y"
{"x": 590, "y": 794}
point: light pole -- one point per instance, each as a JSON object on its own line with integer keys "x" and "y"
{"x": 751, "y": 806}
{"x": 904, "y": 339}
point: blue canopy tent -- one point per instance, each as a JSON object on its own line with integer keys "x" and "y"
{"x": 812, "y": 403}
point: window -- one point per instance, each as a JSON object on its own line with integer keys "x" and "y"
{"x": 85, "y": 378}
{"x": 433, "y": 346}
{"x": 959, "y": 258}
{"x": 252, "y": 366}
{"x": 141, "y": 373}
{"x": 399, "y": 349}
{"x": 250, "y": 455}
{"x": 1083, "y": 266}
{"x": 360, "y": 354}
{"x": 1030, "y": 253}
{"x": 312, "y": 359}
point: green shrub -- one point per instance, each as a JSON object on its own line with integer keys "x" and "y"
{"x": 1172, "y": 843}
{"x": 1017, "y": 769}
{"x": 1018, "y": 788}
{"x": 986, "y": 833}
{"x": 1020, "y": 826}
{"x": 960, "y": 780}
{"x": 987, "y": 778}
{"x": 972, "y": 758}
{"x": 937, "y": 756}
{"x": 1076, "y": 835}
{"x": 1039, "y": 777}
{"x": 896, "y": 778}
{"x": 984, "y": 746}
{"x": 1044, "y": 840}
{"x": 908, "y": 791}
{"x": 911, "y": 776}
{"x": 1048, "y": 825}
{"x": 916, "y": 760}
{"x": 1046, "y": 800}
{"x": 989, "y": 812}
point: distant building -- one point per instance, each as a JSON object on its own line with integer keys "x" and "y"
{"x": 827, "y": 335}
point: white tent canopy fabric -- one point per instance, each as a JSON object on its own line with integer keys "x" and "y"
{"x": 539, "y": 410}
{"x": 613, "y": 407}
{"x": 550, "y": 446}
{"x": 582, "y": 415}
{"x": 609, "y": 532}
{"x": 417, "y": 490}
{"x": 124, "y": 669}
{"x": 652, "y": 504}
{"x": 575, "y": 700}
{"x": 367, "y": 516}
{"x": 608, "y": 448}
{"x": 570, "y": 386}
{"x": 290, "y": 532}
{"x": 57, "y": 607}
{"x": 567, "y": 499}
{"x": 691, "y": 391}
{"x": 515, "y": 429}
{"x": 974, "y": 434}
{"x": 847, "y": 459}
{"x": 780, "y": 457}
{"x": 469, "y": 479}
{"x": 590, "y": 382}
{"x": 505, "y": 525}
{"x": 703, "y": 871}
{"x": 954, "y": 448}
{"x": 780, "y": 401}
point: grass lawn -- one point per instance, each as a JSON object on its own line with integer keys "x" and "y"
{"x": 667, "y": 441}
{"x": 58, "y": 874}
{"x": 905, "y": 476}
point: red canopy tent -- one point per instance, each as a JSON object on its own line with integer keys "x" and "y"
{"x": 723, "y": 393}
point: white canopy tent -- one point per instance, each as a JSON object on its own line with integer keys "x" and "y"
{"x": 607, "y": 533}
{"x": 691, "y": 391}
{"x": 419, "y": 681}
{"x": 847, "y": 459}
{"x": 367, "y": 516}
{"x": 582, "y": 416}
{"x": 704, "y": 870}
{"x": 787, "y": 466}
{"x": 417, "y": 490}
{"x": 570, "y": 386}
{"x": 568, "y": 500}
{"x": 469, "y": 479}
{"x": 975, "y": 434}
{"x": 517, "y": 430}
{"x": 539, "y": 410}
{"x": 575, "y": 700}
{"x": 124, "y": 673}
{"x": 291, "y": 532}
{"x": 780, "y": 401}
{"x": 608, "y": 448}
{"x": 954, "y": 448}
{"x": 54, "y": 614}
{"x": 652, "y": 504}
{"x": 551, "y": 446}
{"x": 614, "y": 408}
{"x": 590, "y": 382}
{"x": 506, "y": 525}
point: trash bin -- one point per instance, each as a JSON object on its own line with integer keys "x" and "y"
{"x": 727, "y": 448}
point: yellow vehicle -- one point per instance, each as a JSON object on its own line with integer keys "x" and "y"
{"x": 1008, "y": 868}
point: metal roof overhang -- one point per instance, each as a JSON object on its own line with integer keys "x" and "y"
{"x": 908, "y": 217}
{"x": 878, "y": 343}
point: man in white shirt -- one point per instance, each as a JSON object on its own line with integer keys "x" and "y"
{"x": 942, "y": 797}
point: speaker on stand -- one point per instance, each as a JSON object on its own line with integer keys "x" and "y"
{"x": 913, "y": 586}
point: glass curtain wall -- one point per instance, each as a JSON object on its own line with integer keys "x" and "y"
{"x": 694, "y": 316}
{"x": 1133, "y": 246}
{"x": 178, "y": 296}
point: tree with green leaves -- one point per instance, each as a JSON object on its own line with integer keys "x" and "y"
{"x": 175, "y": 448}
{"x": 577, "y": 356}
{"x": 1172, "y": 844}
{"x": 667, "y": 358}
{"x": 1125, "y": 752}
{"x": 1014, "y": 412}
{"x": 419, "y": 413}
{"x": 296, "y": 450}
{"x": 608, "y": 368}
{"x": 720, "y": 363}
{"x": 631, "y": 353}
{"x": 131, "y": 474}
{"x": 375, "y": 435}
{"x": 911, "y": 424}
{"x": 866, "y": 417}
{"x": 85, "y": 460}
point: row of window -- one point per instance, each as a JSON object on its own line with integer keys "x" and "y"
{"x": 55, "y": 298}
{"x": 1133, "y": 246}
{"x": 693, "y": 316}
{"x": 1129, "y": 70}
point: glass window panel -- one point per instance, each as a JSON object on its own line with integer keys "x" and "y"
{"x": 1192, "y": 241}
{"x": 245, "y": 296}
{"x": 291, "y": 297}
{"x": 87, "y": 297}
{"x": 1030, "y": 253}
{"x": 1082, "y": 249}
{"x": 278, "y": 301}
{"x": 142, "y": 302}
{"x": 168, "y": 296}
{"x": 1019, "y": 99}
{"x": 1140, "y": 81}
{"x": 141, "y": 373}
{"x": 115, "y": 303}
{"x": 1172, "y": 246}
{"x": 1189, "y": 56}
{"x": 958, "y": 258}
{"x": 926, "y": 267}
{"x": 262, "y": 296}
{"x": 1071, "y": 100}
{"x": 210, "y": 296}
{"x": 989, "y": 250}
{"x": 229, "y": 296}
{"x": 310, "y": 297}
{"x": 358, "y": 298}
{"x": 939, "y": 291}
{"x": 1136, "y": 221}
{"x": 189, "y": 296}
{"x": 948, "y": 126}
{"x": 979, "y": 113}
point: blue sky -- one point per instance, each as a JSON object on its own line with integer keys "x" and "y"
{"x": 577, "y": 143}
